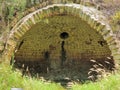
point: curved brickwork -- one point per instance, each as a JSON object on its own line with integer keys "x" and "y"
{"x": 42, "y": 4}
{"x": 93, "y": 17}
{"x": 80, "y": 41}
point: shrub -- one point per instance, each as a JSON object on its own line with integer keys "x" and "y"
{"x": 116, "y": 17}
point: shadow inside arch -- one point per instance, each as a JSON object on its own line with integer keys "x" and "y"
{"x": 76, "y": 72}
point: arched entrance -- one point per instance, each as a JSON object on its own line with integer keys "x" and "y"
{"x": 65, "y": 46}
{"x": 65, "y": 39}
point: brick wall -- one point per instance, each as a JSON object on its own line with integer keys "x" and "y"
{"x": 91, "y": 16}
{"x": 83, "y": 42}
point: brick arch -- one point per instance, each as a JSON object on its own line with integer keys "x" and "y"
{"x": 93, "y": 17}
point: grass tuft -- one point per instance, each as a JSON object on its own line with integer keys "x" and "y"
{"x": 10, "y": 78}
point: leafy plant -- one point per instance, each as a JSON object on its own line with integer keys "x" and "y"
{"x": 116, "y": 21}
{"x": 116, "y": 17}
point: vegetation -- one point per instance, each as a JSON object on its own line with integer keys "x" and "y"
{"x": 10, "y": 78}
{"x": 116, "y": 17}
{"x": 11, "y": 9}
{"x": 108, "y": 83}
{"x": 116, "y": 22}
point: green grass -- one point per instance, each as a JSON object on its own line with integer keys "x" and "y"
{"x": 109, "y": 83}
{"x": 10, "y": 78}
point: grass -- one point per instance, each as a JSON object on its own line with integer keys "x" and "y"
{"x": 10, "y": 78}
{"x": 109, "y": 83}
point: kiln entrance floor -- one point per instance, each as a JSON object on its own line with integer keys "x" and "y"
{"x": 80, "y": 71}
